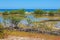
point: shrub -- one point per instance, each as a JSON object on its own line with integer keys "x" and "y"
{"x": 5, "y": 13}
{"x": 1, "y": 31}
{"x": 51, "y": 13}
{"x": 39, "y": 12}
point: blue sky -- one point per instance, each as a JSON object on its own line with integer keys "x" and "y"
{"x": 29, "y": 4}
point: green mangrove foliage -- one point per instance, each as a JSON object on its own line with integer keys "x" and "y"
{"x": 15, "y": 21}
{"x": 21, "y": 12}
{"x": 5, "y": 13}
{"x": 51, "y": 13}
{"x": 58, "y": 11}
{"x": 39, "y": 12}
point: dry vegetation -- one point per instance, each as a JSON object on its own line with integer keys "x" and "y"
{"x": 16, "y": 17}
{"x": 32, "y": 35}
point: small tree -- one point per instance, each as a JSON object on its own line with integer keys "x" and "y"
{"x": 5, "y": 13}
{"x": 14, "y": 12}
{"x": 21, "y": 11}
{"x": 15, "y": 20}
{"x": 58, "y": 11}
{"x": 51, "y": 13}
{"x": 39, "y": 12}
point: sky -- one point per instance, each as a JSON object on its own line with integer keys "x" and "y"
{"x": 29, "y": 4}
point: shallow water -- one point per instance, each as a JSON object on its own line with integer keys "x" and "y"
{"x": 25, "y": 21}
{"x": 1, "y": 19}
{"x": 32, "y": 18}
{"x": 57, "y": 25}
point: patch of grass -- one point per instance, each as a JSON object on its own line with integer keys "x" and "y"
{"x": 1, "y": 31}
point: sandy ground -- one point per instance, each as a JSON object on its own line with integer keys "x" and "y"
{"x": 22, "y": 38}
{"x": 17, "y": 35}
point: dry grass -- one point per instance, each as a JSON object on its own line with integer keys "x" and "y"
{"x": 33, "y": 35}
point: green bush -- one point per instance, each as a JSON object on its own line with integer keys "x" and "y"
{"x": 39, "y": 12}
{"x": 20, "y": 11}
{"x": 5, "y": 13}
{"x": 51, "y": 13}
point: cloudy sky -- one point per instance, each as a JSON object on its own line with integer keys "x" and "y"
{"x": 29, "y": 4}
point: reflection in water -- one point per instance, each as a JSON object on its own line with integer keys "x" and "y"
{"x": 33, "y": 19}
{"x": 57, "y": 25}
{"x": 25, "y": 22}
{"x": 7, "y": 22}
{"x": 1, "y": 19}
